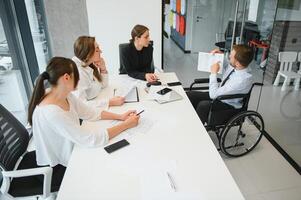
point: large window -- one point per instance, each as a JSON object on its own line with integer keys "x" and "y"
{"x": 24, "y": 52}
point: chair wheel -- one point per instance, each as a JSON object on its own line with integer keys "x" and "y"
{"x": 241, "y": 134}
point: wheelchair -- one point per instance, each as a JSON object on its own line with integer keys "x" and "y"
{"x": 238, "y": 130}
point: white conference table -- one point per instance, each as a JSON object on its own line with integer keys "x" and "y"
{"x": 175, "y": 141}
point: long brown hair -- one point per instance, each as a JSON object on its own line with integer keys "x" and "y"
{"x": 137, "y": 31}
{"x": 57, "y": 67}
{"x": 84, "y": 48}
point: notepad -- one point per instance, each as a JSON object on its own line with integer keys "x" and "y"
{"x": 130, "y": 93}
{"x": 207, "y": 59}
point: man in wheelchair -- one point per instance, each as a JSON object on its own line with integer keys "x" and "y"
{"x": 224, "y": 109}
{"x": 236, "y": 79}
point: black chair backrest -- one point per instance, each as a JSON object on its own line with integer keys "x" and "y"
{"x": 14, "y": 139}
{"x": 122, "y": 48}
{"x": 122, "y": 69}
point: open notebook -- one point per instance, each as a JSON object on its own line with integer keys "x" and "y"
{"x": 207, "y": 59}
{"x": 130, "y": 94}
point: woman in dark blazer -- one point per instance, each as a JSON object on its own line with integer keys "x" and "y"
{"x": 136, "y": 57}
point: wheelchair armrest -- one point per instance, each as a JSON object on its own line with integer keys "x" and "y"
{"x": 258, "y": 84}
{"x": 231, "y": 96}
{"x": 200, "y": 81}
{"x": 204, "y": 80}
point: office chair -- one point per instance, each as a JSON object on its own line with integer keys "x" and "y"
{"x": 238, "y": 130}
{"x": 122, "y": 69}
{"x": 250, "y": 32}
{"x": 18, "y": 167}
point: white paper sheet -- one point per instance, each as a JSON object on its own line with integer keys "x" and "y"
{"x": 207, "y": 59}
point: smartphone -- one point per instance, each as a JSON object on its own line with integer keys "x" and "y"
{"x": 164, "y": 91}
{"x": 117, "y": 145}
{"x": 174, "y": 83}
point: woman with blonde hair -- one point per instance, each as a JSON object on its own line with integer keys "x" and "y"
{"x": 92, "y": 71}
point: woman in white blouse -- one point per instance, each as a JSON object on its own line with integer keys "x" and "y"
{"x": 92, "y": 71}
{"x": 54, "y": 116}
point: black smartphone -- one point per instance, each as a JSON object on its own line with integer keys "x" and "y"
{"x": 117, "y": 145}
{"x": 174, "y": 83}
{"x": 153, "y": 83}
{"x": 164, "y": 91}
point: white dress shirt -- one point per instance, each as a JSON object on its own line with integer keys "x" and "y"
{"x": 88, "y": 86}
{"x": 239, "y": 82}
{"x": 55, "y": 131}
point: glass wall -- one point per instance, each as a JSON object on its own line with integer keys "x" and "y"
{"x": 280, "y": 106}
{"x": 38, "y": 30}
{"x": 24, "y": 52}
{"x": 12, "y": 90}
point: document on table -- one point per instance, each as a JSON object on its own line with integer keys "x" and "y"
{"x": 145, "y": 124}
{"x": 207, "y": 59}
{"x": 130, "y": 93}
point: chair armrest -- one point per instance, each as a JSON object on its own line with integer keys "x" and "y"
{"x": 200, "y": 81}
{"x": 231, "y": 96}
{"x": 204, "y": 80}
{"x": 46, "y": 171}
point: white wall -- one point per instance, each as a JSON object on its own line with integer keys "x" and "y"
{"x": 66, "y": 20}
{"x": 111, "y": 22}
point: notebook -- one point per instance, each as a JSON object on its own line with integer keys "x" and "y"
{"x": 130, "y": 94}
{"x": 207, "y": 59}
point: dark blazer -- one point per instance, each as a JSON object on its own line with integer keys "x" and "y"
{"x": 136, "y": 63}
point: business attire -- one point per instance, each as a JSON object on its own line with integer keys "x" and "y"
{"x": 136, "y": 63}
{"x": 233, "y": 82}
{"x": 88, "y": 86}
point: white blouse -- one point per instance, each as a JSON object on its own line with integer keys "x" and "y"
{"x": 55, "y": 131}
{"x": 88, "y": 86}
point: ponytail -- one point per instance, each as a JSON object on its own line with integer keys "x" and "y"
{"x": 57, "y": 67}
{"x": 37, "y": 95}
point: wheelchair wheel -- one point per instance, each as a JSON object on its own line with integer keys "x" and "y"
{"x": 241, "y": 134}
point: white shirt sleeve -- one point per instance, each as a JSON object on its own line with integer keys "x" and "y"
{"x": 236, "y": 85}
{"x": 85, "y": 111}
{"x": 66, "y": 127}
{"x": 104, "y": 80}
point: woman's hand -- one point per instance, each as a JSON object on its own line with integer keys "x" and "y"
{"x": 150, "y": 77}
{"x": 116, "y": 101}
{"x": 126, "y": 115}
{"x": 101, "y": 65}
{"x": 132, "y": 121}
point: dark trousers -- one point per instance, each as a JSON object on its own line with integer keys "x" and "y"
{"x": 201, "y": 103}
{"x": 58, "y": 171}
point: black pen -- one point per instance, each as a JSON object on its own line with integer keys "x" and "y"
{"x": 140, "y": 112}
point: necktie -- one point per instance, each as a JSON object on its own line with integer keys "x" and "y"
{"x": 227, "y": 78}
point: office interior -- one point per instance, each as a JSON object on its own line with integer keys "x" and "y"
{"x": 48, "y": 28}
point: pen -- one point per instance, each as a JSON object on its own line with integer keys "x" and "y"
{"x": 140, "y": 112}
{"x": 172, "y": 183}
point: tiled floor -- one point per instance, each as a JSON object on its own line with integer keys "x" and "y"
{"x": 262, "y": 174}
